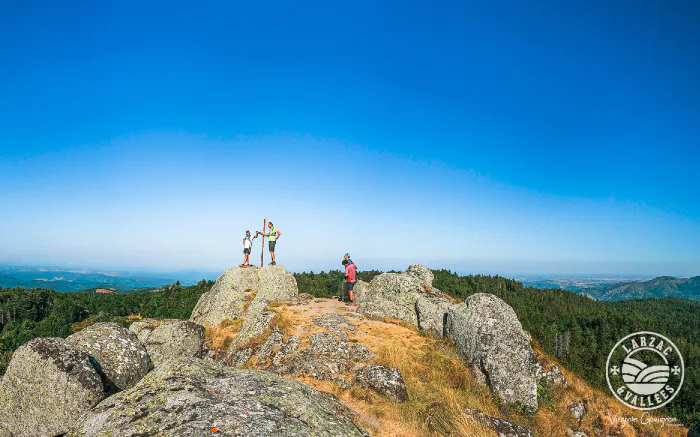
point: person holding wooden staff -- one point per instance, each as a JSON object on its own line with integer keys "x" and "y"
{"x": 272, "y": 235}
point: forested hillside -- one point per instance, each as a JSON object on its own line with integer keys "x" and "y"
{"x": 26, "y": 314}
{"x": 663, "y": 286}
{"x": 576, "y": 330}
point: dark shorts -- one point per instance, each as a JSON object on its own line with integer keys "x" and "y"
{"x": 351, "y": 285}
{"x": 246, "y": 251}
{"x": 271, "y": 244}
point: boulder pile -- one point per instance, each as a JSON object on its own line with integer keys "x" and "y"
{"x": 110, "y": 380}
{"x": 484, "y": 328}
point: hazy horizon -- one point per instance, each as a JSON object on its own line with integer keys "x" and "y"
{"x": 475, "y": 268}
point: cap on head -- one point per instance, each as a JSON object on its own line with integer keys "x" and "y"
{"x": 347, "y": 255}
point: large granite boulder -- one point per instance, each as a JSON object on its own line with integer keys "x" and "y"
{"x": 431, "y": 311}
{"x": 276, "y": 283}
{"x": 167, "y": 339}
{"x": 228, "y": 298}
{"x": 491, "y": 340}
{"x": 191, "y": 397}
{"x": 361, "y": 292}
{"x": 121, "y": 357}
{"x": 422, "y": 273}
{"x": 392, "y": 295}
{"x": 407, "y": 296}
{"x": 48, "y": 384}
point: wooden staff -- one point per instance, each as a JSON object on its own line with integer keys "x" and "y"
{"x": 263, "y": 243}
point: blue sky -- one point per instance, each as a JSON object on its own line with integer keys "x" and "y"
{"x": 498, "y": 137}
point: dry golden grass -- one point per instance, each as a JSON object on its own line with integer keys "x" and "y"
{"x": 283, "y": 322}
{"x": 218, "y": 338}
{"x": 440, "y": 386}
{"x": 79, "y": 326}
{"x": 601, "y": 409}
{"x": 257, "y": 341}
{"x": 133, "y": 317}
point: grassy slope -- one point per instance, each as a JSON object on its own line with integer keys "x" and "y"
{"x": 440, "y": 386}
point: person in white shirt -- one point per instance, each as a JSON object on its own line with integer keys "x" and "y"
{"x": 247, "y": 247}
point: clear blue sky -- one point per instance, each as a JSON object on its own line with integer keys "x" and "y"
{"x": 501, "y": 137}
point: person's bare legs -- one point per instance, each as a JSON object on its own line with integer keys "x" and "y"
{"x": 272, "y": 254}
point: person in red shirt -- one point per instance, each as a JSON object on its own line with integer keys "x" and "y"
{"x": 351, "y": 277}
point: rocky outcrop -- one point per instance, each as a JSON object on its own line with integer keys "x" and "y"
{"x": 502, "y": 427}
{"x": 407, "y": 296}
{"x": 276, "y": 283}
{"x": 321, "y": 367}
{"x": 422, "y": 273}
{"x": 121, "y": 358}
{"x": 192, "y": 397}
{"x": 228, "y": 298}
{"x": 324, "y": 343}
{"x": 253, "y": 326}
{"x": 48, "y": 384}
{"x": 491, "y": 340}
{"x": 240, "y": 357}
{"x": 361, "y": 292}
{"x": 431, "y": 311}
{"x": 391, "y": 295}
{"x": 4, "y": 431}
{"x": 168, "y": 339}
{"x": 273, "y": 342}
{"x": 335, "y": 323}
{"x": 386, "y": 381}
{"x": 291, "y": 346}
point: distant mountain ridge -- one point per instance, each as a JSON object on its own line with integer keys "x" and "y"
{"x": 663, "y": 286}
{"x": 75, "y": 280}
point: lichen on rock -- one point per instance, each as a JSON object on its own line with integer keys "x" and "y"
{"x": 228, "y": 297}
{"x": 189, "y": 397}
{"x": 491, "y": 339}
{"x": 167, "y": 339}
{"x": 121, "y": 357}
{"x": 48, "y": 384}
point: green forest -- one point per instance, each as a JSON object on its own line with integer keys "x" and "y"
{"x": 578, "y": 331}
